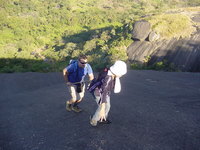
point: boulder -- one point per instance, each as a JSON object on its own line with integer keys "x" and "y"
{"x": 153, "y": 36}
{"x": 141, "y": 30}
{"x": 180, "y": 54}
{"x": 139, "y": 50}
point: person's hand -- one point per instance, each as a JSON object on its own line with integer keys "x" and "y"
{"x": 90, "y": 81}
{"x": 68, "y": 83}
{"x": 88, "y": 85}
{"x": 102, "y": 113}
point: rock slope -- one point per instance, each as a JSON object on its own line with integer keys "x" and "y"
{"x": 183, "y": 53}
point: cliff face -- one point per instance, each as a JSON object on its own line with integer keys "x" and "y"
{"x": 184, "y": 53}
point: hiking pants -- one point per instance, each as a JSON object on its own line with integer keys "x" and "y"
{"x": 74, "y": 95}
{"x": 96, "y": 116}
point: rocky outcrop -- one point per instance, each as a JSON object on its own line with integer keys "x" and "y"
{"x": 184, "y": 53}
{"x": 141, "y": 30}
{"x": 153, "y": 36}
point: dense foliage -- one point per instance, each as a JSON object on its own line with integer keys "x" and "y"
{"x": 42, "y": 35}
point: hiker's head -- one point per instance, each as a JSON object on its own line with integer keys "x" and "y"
{"x": 82, "y": 61}
{"x": 119, "y": 68}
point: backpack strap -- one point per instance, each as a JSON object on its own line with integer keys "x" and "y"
{"x": 93, "y": 85}
{"x": 87, "y": 66}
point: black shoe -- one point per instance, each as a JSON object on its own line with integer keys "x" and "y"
{"x": 105, "y": 122}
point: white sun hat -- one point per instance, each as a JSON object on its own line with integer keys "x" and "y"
{"x": 118, "y": 69}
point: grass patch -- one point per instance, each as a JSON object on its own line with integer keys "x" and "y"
{"x": 191, "y": 9}
{"x": 164, "y": 65}
{"x": 172, "y": 25}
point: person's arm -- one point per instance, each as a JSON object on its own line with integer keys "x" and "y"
{"x": 65, "y": 75}
{"x": 91, "y": 76}
{"x": 90, "y": 72}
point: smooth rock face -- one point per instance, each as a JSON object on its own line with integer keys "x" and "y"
{"x": 141, "y": 30}
{"x": 183, "y": 54}
{"x": 138, "y": 50}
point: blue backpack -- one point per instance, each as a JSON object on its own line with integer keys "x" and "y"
{"x": 72, "y": 61}
{"x": 97, "y": 82}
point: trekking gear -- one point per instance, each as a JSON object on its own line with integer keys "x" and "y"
{"x": 76, "y": 108}
{"x": 97, "y": 82}
{"x": 76, "y": 75}
{"x": 104, "y": 121}
{"x": 119, "y": 68}
{"x": 95, "y": 123}
{"x": 79, "y": 87}
{"x": 72, "y": 61}
{"x": 68, "y": 106}
{"x": 75, "y": 83}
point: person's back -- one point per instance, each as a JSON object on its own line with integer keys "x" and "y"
{"x": 97, "y": 81}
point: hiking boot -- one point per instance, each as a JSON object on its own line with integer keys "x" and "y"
{"x": 76, "y": 109}
{"x": 68, "y": 106}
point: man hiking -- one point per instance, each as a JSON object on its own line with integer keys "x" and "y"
{"x": 74, "y": 75}
{"x": 103, "y": 91}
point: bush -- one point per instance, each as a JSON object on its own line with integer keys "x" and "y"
{"x": 59, "y": 30}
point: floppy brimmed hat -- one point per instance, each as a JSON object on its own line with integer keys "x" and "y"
{"x": 118, "y": 69}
